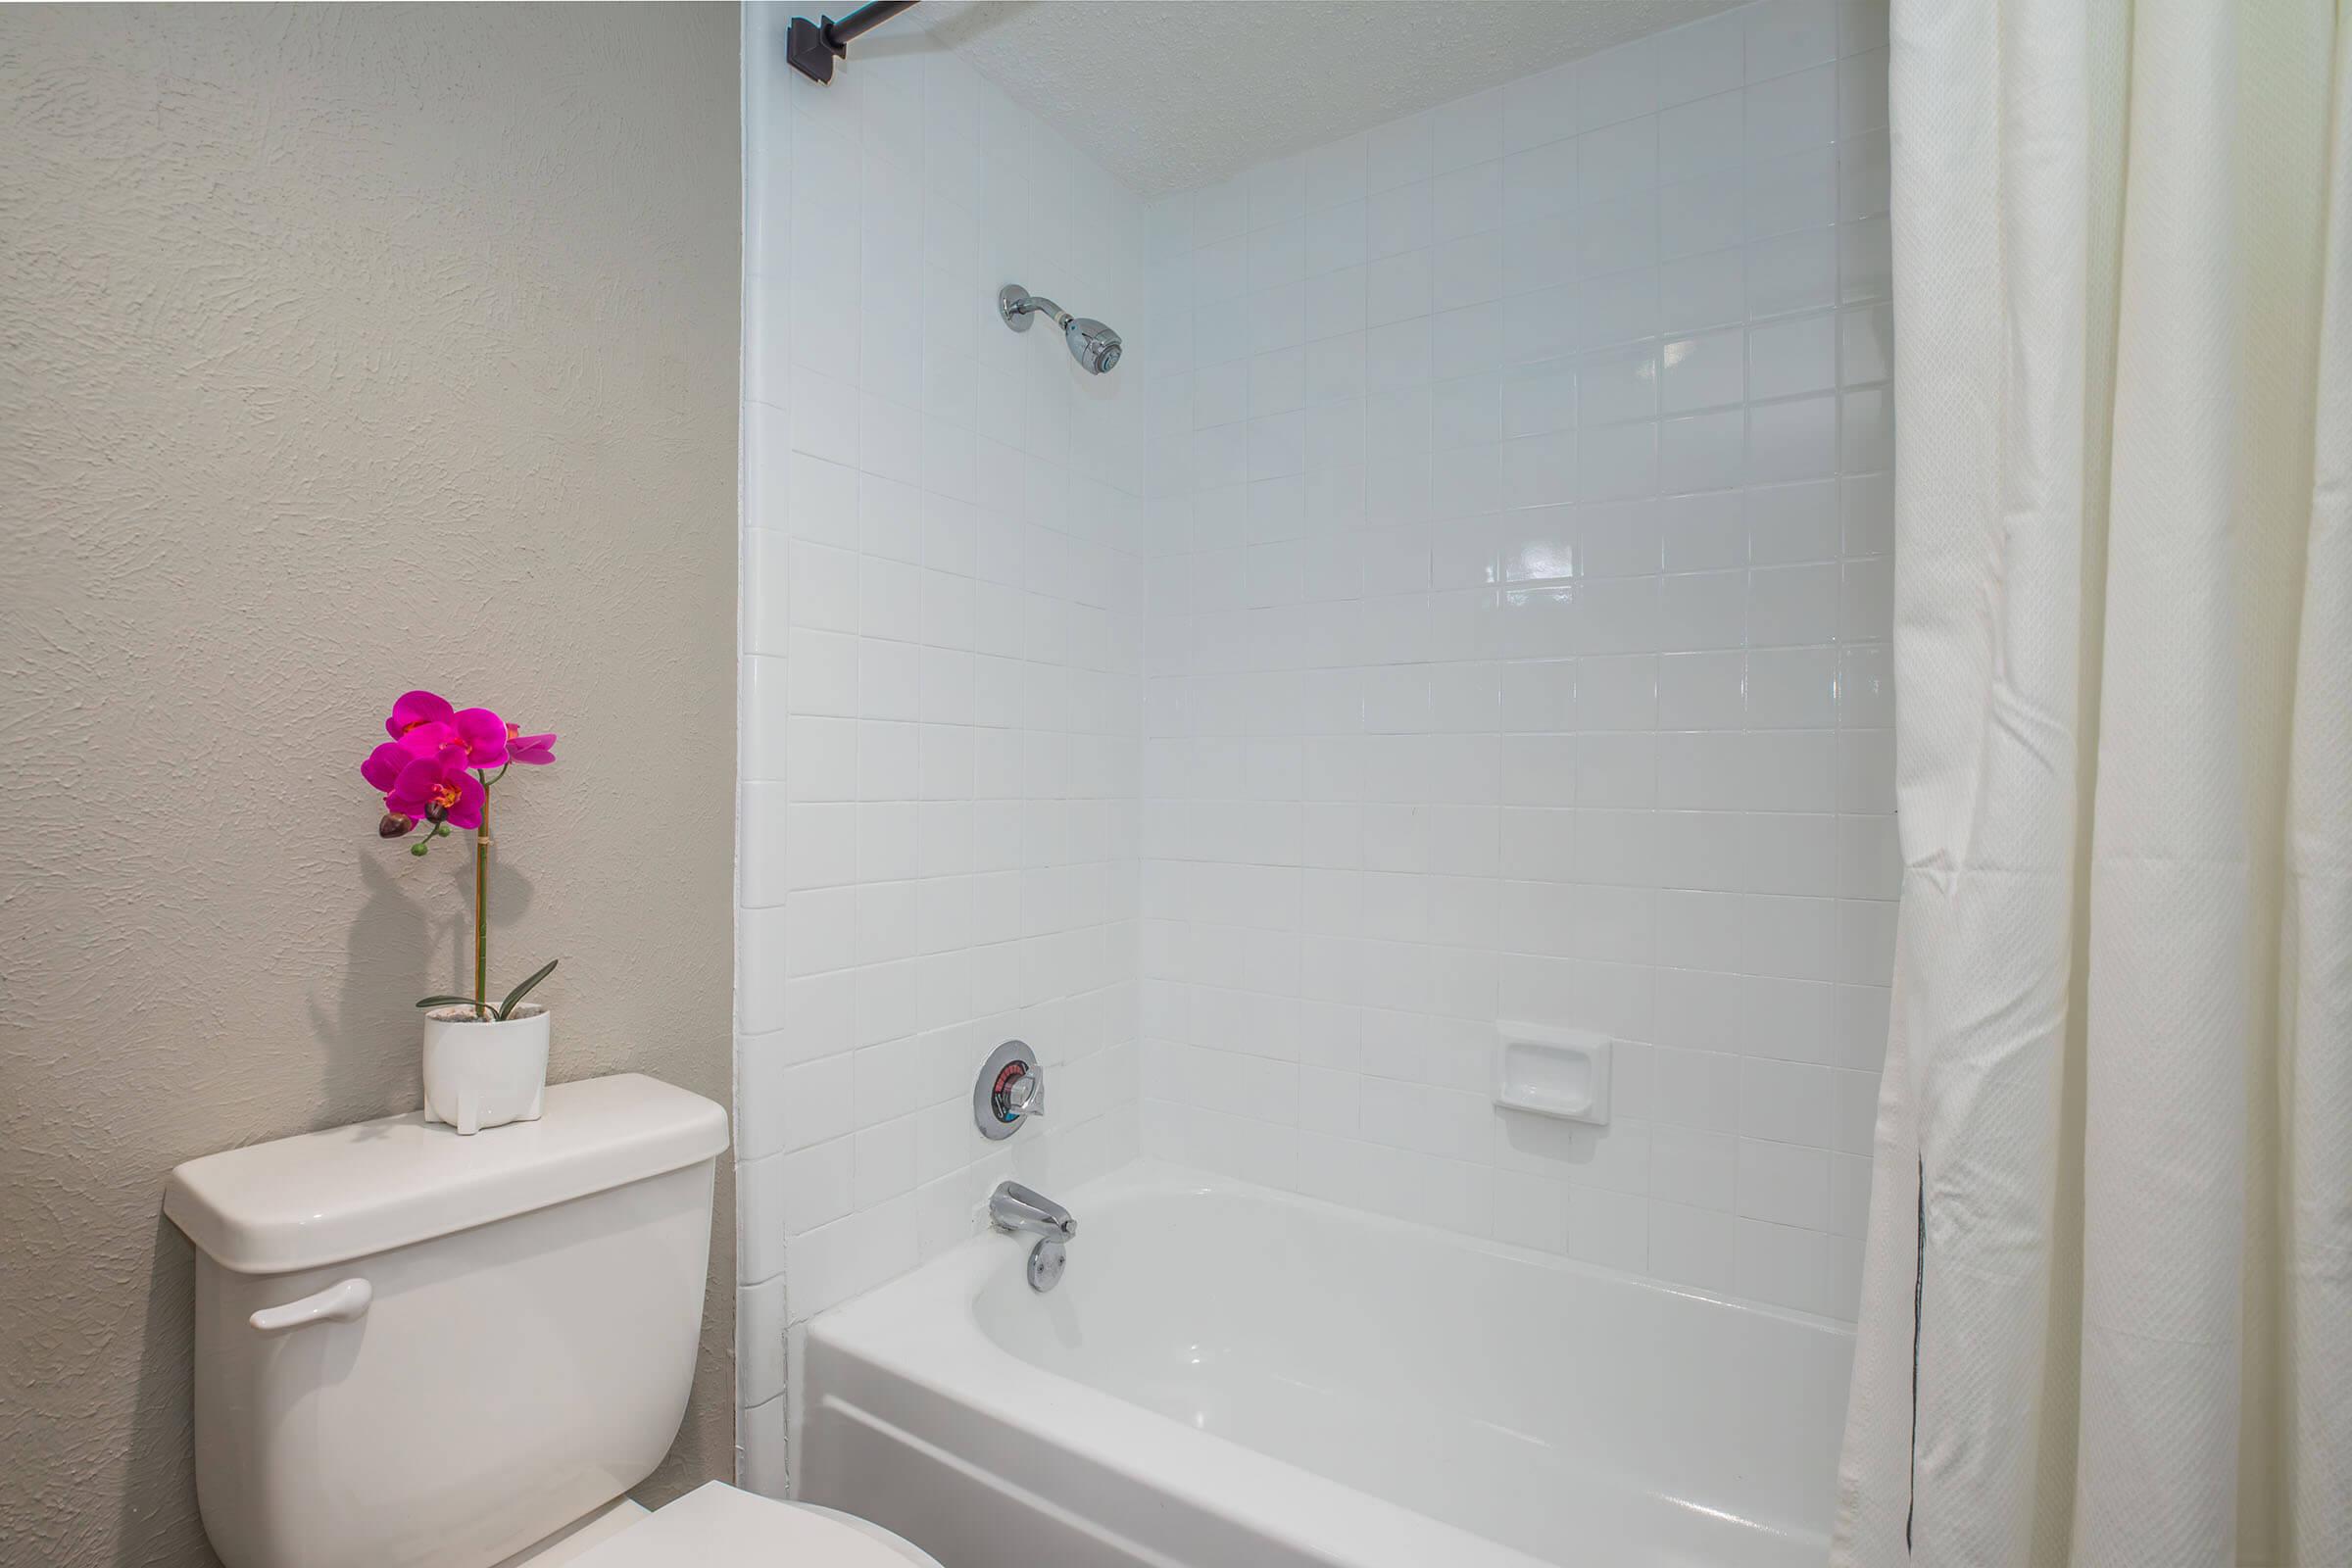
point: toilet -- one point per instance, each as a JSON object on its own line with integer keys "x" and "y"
{"x": 413, "y": 1348}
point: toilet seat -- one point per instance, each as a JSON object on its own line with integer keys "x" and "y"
{"x": 717, "y": 1526}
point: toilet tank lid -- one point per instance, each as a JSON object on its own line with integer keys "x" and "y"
{"x": 327, "y": 1197}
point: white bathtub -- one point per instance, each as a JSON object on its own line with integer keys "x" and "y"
{"x": 1233, "y": 1376}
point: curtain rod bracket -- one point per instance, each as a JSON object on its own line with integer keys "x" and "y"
{"x": 812, "y": 47}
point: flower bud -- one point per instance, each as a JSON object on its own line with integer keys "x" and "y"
{"x": 394, "y": 825}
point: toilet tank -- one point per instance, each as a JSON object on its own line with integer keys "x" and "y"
{"x": 492, "y": 1334}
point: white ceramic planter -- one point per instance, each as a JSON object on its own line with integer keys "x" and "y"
{"x": 481, "y": 1074}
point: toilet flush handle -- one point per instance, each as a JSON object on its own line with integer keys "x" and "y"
{"x": 343, "y": 1303}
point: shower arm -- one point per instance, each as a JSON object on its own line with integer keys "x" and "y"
{"x": 1029, "y": 303}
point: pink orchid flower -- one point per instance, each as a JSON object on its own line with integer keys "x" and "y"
{"x": 536, "y": 749}
{"x": 381, "y": 766}
{"x": 421, "y": 723}
{"x": 437, "y": 789}
{"x": 425, "y": 724}
{"x": 411, "y": 710}
{"x": 435, "y": 772}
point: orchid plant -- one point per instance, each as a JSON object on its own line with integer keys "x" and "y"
{"x": 435, "y": 772}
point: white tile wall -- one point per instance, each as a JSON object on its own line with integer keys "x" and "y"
{"x": 1468, "y": 600}
{"x": 1516, "y": 648}
{"x": 941, "y": 687}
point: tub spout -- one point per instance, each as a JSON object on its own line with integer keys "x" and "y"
{"x": 1015, "y": 1208}
{"x": 1023, "y": 1212}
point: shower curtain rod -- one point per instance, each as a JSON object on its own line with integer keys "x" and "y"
{"x": 812, "y": 47}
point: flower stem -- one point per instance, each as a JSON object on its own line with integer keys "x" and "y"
{"x": 481, "y": 910}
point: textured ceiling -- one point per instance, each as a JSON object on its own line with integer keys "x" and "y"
{"x": 1170, "y": 95}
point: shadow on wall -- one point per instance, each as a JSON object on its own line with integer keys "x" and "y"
{"x": 389, "y": 959}
{"x": 163, "y": 1448}
{"x": 1555, "y": 1142}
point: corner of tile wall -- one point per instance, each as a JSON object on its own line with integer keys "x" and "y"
{"x": 940, "y": 682}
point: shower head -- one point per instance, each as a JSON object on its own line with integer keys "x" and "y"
{"x": 1093, "y": 345}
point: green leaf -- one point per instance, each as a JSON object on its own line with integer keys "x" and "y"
{"x": 506, "y": 1008}
{"x": 449, "y": 1001}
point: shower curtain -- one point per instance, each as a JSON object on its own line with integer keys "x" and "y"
{"x": 2107, "y": 1306}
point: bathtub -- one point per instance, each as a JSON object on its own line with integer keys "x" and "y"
{"x": 1229, "y": 1375}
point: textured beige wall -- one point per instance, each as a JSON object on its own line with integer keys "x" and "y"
{"x": 341, "y": 349}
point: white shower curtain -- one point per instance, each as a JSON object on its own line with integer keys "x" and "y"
{"x": 2107, "y": 1309}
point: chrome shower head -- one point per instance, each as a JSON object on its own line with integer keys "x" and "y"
{"x": 1093, "y": 345}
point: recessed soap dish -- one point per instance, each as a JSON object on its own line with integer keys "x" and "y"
{"x": 1549, "y": 1071}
